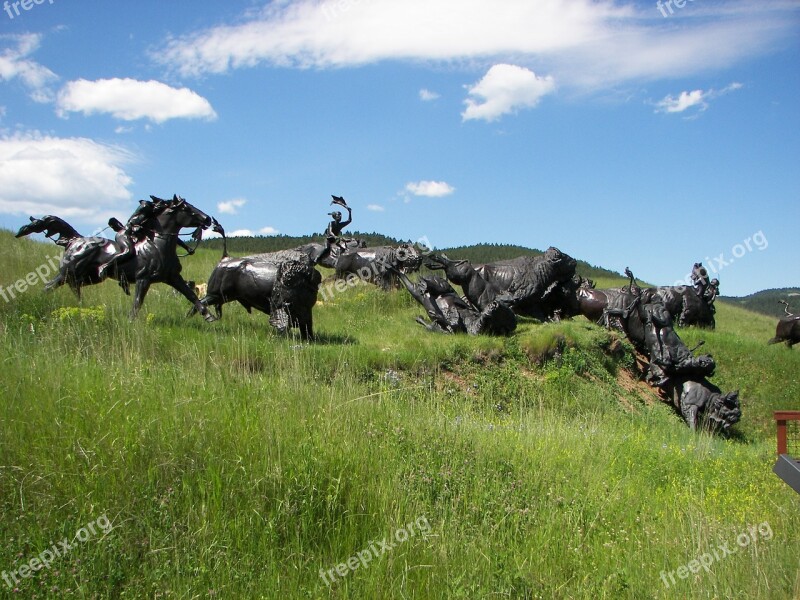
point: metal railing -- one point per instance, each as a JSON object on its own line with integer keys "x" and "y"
{"x": 788, "y": 422}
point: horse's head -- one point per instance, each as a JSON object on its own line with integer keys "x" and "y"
{"x": 50, "y": 225}
{"x": 454, "y": 269}
{"x": 178, "y": 213}
{"x": 35, "y": 226}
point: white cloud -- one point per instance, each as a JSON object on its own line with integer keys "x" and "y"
{"x": 231, "y": 207}
{"x": 130, "y": 99}
{"x": 428, "y": 96}
{"x": 699, "y": 98}
{"x": 251, "y": 233}
{"x": 504, "y": 89}
{"x": 375, "y": 207}
{"x": 16, "y": 64}
{"x": 681, "y": 103}
{"x": 586, "y": 44}
{"x": 432, "y": 189}
{"x": 69, "y": 177}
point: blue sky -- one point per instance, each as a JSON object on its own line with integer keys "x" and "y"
{"x": 618, "y": 134}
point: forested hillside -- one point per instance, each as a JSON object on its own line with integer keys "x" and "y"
{"x": 767, "y": 301}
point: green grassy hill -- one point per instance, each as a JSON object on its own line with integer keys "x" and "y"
{"x": 236, "y": 463}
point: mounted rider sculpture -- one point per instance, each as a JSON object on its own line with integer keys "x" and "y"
{"x": 145, "y": 251}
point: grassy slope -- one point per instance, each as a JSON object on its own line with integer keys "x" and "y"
{"x": 235, "y": 461}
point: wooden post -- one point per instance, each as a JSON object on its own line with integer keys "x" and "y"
{"x": 781, "y": 417}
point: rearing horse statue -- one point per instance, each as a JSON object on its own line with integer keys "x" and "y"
{"x": 155, "y": 260}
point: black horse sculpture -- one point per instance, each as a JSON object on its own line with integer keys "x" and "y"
{"x": 50, "y": 225}
{"x": 283, "y": 285}
{"x": 450, "y": 313}
{"x": 477, "y": 290}
{"x": 155, "y": 260}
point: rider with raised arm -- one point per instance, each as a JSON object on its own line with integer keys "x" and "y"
{"x": 335, "y": 228}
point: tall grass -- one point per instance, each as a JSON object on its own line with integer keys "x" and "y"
{"x": 236, "y": 463}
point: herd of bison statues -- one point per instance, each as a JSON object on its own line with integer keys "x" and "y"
{"x": 285, "y": 286}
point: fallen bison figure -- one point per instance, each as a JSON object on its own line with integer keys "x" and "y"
{"x": 673, "y": 368}
{"x": 542, "y": 287}
{"x": 282, "y": 284}
{"x": 702, "y": 404}
{"x": 788, "y": 328}
{"x": 450, "y": 313}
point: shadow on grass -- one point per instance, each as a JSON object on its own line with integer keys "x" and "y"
{"x": 332, "y": 339}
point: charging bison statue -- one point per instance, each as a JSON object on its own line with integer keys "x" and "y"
{"x": 542, "y": 287}
{"x": 379, "y": 264}
{"x": 283, "y": 285}
{"x": 788, "y": 328}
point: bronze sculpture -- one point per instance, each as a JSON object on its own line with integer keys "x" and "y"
{"x": 450, "y": 313}
{"x": 378, "y": 264}
{"x": 50, "y": 225}
{"x": 155, "y": 259}
{"x": 542, "y": 287}
{"x": 788, "y": 328}
{"x": 334, "y": 230}
{"x": 672, "y": 366}
{"x": 283, "y": 285}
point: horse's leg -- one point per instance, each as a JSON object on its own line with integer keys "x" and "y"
{"x": 142, "y": 285}
{"x": 180, "y": 284}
